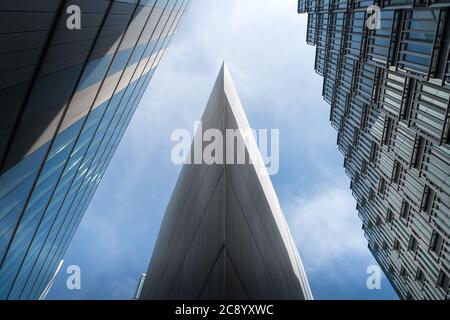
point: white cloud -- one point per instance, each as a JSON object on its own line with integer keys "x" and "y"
{"x": 326, "y": 227}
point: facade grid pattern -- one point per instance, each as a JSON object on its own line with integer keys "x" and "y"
{"x": 66, "y": 99}
{"x": 389, "y": 91}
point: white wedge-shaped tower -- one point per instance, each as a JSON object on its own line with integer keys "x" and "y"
{"x": 224, "y": 235}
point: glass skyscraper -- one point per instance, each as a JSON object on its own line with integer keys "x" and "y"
{"x": 388, "y": 83}
{"x": 67, "y": 95}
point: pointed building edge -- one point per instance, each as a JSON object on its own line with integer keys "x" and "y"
{"x": 179, "y": 261}
{"x": 264, "y": 178}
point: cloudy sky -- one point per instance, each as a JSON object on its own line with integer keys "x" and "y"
{"x": 263, "y": 44}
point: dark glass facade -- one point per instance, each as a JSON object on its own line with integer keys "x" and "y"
{"x": 389, "y": 90}
{"x": 66, "y": 98}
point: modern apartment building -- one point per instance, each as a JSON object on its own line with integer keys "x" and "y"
{"x": 71, "y": 76}
{"x": 388, "y": 83}
{"x": 224, "y": 235}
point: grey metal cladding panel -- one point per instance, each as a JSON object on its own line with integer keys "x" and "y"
{"x": 205, "y": 248}
{"x": 180, "y": 224}
{"x": 190, "y": 179}
{"x": 212, "y": 288}
{"x": 176, "y": 236}
{"x": 25, "y": 21}
{"x": 262, "y": 227}
{"x": 29, "y": 5}
{"x": 234, "y": 288}
{"x": 245, "y": 184}
{"x": 192, "y": 176}
{"x": 246, "y": 255}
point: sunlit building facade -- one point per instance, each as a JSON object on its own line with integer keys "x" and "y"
{"x": 388, "y": 84}
{"x": 67, "y": 95}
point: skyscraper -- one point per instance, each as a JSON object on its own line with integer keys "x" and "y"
{"x": 71, "y": 75}
{"x": 388, "y": 83}
{"x": 224, "y": 235}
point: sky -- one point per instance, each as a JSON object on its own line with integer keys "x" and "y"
{"x": 264, "y": 45}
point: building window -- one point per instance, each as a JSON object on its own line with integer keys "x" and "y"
{"x": 364, "y": 167}
{"x": 427, "y": 200}
{"x": 373, "y": 151}
{"x": 403, "y": 272}
{"x": 382, "y": 185}
{"x": 436, "y": 242}
{"x": 443, "y": 280}
{"x": 404, "y": 211}
{"x": 371, "y": 194}
{"x": 420, "y": 276}
{"x": 396, "y": 172}
{"x": 419, "y": 147}
{"x": 391, "y": 269}
{"x": 397, "y": 245}
{"x": 376, "y": 247}
{"x": 389, "y": 216}
{"x": 413, "y": 244}
{"x": 387, "y": 129}
{"x": 378, "y": 221}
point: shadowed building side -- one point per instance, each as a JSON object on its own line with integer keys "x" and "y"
{"x": 223, "y": 235}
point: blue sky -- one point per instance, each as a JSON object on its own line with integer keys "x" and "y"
{"x": 263, "y": 44}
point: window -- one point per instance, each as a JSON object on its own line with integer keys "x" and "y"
{"x": 371, "y": 194}
{"x": 387, "y": 129}
{"x": 420, "y": 276}
{"x": 396, "y": 171}
{"x": 413, "y": 244}
{"x": 403, "y": 272}
{"x": 443, "y": 280}
{"x": 427, "y": 200}
{"x": 364, "y": 167}
{"x": 373, "y": 151}
{"x": 378, "y": 221}
{"x": 419, "y": 147}
{"x": 391, "y": 269}
{"x": 389, "y": 216}
{"x": 376, "y": 247}
{"x": 436, "y": 242}
{"x": 397, "y": 245}
{"x": 404, "y": 213}
{"x": 381, "y": 185}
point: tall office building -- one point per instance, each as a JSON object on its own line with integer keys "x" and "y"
{"x": 388, "y": 83}
{"x": 224, "y": 235}
{"x": 71, "y": 75}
